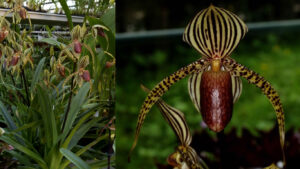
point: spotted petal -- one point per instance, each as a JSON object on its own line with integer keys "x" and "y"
{"x": 254, "y": 78}
{"x": 215, "y": 32}
{"x": 163, "y": 86}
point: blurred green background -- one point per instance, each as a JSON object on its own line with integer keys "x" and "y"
{"x": 273, "y": 53}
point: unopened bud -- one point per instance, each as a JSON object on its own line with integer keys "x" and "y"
{"x": 22, "y": 13}
{"x": 14, "y": 60}
{"x": 61, "y": 71}
{"x": 86, "y": 75}
{"x": 77, "y": 46}
{"x": 109, "y": 64}
{"x": 3, "y": 34}
{"x": 100, "y": 32}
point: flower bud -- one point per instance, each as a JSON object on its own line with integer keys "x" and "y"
{"x": 77, "y": 46}
{"x": 86, "y": 75}
{"x": 61, "y": 71}
{"x": 22, "y": 13}
{"x": 109, "y": 64}
{"x": 3, "y": 34}
{"x": 14, "y": 60}
{"x": 100, "y": 32}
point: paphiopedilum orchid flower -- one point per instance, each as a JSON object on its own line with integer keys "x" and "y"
{"x": 184, "y": 157}
{"x": 214, "y": 84}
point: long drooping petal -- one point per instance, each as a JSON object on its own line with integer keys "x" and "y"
{"x": 267, "y": 89}
{"x": 175, "y": 119}
{"x": 161, "y": 88}
{"x": 215, "y": 32}
{"x": 194, "y": 88}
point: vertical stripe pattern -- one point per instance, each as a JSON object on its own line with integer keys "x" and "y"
{"x": 236, "y": 87}
{"x": 194, "y": 89}
{"x": 177, "y": 121}
{"x": 215, "y": 32}
{"x": 254, "y": 78}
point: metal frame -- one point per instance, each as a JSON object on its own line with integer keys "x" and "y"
{"x": 169, "y": 33}
{"x": 47, "y": 18}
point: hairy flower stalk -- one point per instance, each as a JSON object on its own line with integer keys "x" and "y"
{"x": 214, "y": 84}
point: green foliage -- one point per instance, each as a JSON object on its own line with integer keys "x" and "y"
{"x": 53, "y": 108}
{"x": 66, "y": 9}
{"x": 274, "y": 56}
{"x": 74, "y": 159}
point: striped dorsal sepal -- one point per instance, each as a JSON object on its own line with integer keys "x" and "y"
{"x": 215, "y": 32}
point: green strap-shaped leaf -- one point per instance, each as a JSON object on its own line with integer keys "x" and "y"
{"x": 76, "y": 104}
{"x": 37, "y": 73}
{"x": 7, "y": 117}
{"x": 25, "y": 150}
{"x": 74, "y": 159}
{"x": 48, "y": 116}
{"x": 65, "y": 7}
{"x": 21, "y": 158}
{"x": 52, "y": 41}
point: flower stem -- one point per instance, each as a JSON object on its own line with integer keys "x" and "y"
{"x": 25, "y": 85}
{"x": 70, "y": 98}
